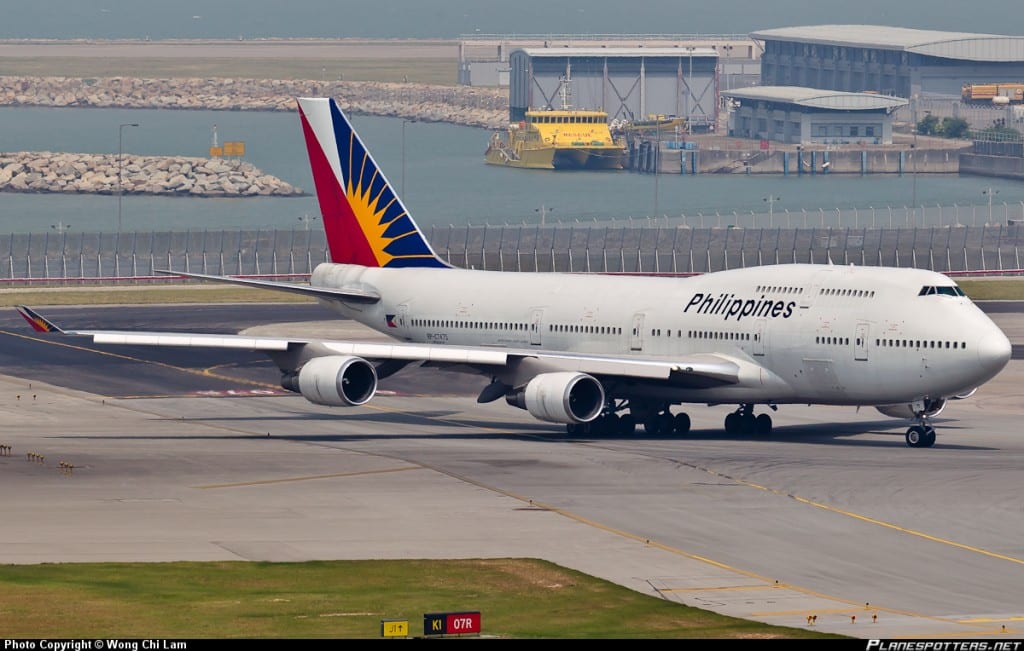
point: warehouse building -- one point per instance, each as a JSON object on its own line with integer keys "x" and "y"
{"x": 628, "y": 83}
{"x": 897, "y": 61}
{"x": 798, "y": 115}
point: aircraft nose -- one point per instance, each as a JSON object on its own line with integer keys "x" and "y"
{"x": 994, "y": 350}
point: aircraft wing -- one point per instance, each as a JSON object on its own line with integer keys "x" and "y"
{"x": 698, "y": 370}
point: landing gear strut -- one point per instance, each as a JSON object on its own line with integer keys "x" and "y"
{"x": 609, "y": 423}
{"x": 659, "y": 421}
{"x": 656, "y": 419}
{"x": 742, "y": 422}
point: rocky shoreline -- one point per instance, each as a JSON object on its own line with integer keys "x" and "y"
{"x": 212, "y": 177}
{"x": 157, "y": 175}
{"x": 463, "y": 105}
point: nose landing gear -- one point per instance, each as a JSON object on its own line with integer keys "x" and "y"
{"x": 921, "y": 436}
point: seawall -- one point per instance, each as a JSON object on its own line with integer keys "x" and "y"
{"x": 98, "y": 174}
{"x": 156, "y": 175}
{"x": 807, "y": 160}
{"x": 1008, "y": 167}
{"x": 463, "y": 105}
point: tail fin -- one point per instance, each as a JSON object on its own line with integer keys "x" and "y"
{"x": 364, "y": 219}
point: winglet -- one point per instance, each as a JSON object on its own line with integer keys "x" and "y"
{"x": 38, "y": 322}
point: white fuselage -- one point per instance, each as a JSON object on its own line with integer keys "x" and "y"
{"x": 819, "y": 334}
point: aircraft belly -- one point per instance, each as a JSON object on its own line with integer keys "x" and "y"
{"x": 819, "y": 377}
{"x": 757, "y": 386}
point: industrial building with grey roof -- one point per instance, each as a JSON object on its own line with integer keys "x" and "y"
{"x": 794, "y": 114}
{"x": 888, "y": 60}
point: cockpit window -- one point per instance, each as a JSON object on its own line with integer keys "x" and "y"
{"x": 928, "y": 290}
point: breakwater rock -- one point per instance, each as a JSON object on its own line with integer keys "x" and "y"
{"x": 462, "y": 105}
{"x": 155, "y": 175}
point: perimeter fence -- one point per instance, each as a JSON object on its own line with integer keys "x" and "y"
{"x": 639, "y": 246}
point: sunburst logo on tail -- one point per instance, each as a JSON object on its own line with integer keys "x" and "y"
{"x": 365, "y": 220}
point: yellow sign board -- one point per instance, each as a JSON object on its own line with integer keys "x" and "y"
{"x": 216, "y": 152}
{"x": 236, "y": 148}
{"x": 394, "y": 628}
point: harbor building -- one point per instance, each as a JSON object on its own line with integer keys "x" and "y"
{"x": 484, "y": 58}
{"x": 909, "y": 63}
{"x": 798, "y": 115}
{"x": 629, "y": 84}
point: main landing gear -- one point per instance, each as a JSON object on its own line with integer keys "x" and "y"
{"x": 742, "y": 422}
{"x": 656, "y": 419}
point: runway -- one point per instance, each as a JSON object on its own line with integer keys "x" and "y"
{"x": 183, "y": 457}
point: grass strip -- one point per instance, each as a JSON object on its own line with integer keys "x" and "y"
{"x": 517, "y": 598}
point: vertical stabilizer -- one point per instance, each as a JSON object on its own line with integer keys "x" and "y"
{"x": 363, "y": 217}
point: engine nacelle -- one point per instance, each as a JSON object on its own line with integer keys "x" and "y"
{"x": 928, "y": 407}
{"x": 563, "y": 397}
{"x": 966, "y": 394}
{"x": 335, "y": 380}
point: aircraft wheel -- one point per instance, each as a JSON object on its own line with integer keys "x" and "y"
{"x": 747, "y": 424}
{"x": 915, "y": 435}
{"x": 666, "y": 423}
{"x": 609, "y": 425}
{"x": 763, "y": 425}
{"x": 659, "y": 424}
{"x": 681, "y": 423}
{"x": 732, "y": 424}
{"x": 928, "y": 440}
{"x": 651, "y": 424}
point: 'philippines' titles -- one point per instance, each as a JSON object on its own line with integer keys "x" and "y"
{"x": 729, "y": 306}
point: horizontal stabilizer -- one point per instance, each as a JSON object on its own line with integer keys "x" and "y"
{"x": 38, "y": 322}
{"x": 351, "y": 295}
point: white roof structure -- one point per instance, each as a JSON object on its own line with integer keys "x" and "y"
{"x": 818, "y": 98}
{"x": 948, "y": 45}
{"x": 625, "y": 52}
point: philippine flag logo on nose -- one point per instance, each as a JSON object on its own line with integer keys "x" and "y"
{"x": 390, "y": 319}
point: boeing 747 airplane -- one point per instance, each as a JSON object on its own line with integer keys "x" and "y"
{"x": 603, "y": 354}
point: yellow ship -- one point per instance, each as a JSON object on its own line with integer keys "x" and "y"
{"x": 558, "y": 139}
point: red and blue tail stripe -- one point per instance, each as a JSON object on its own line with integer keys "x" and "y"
{"x": 364, "y": 219}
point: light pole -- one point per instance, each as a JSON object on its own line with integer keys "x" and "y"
{"x": 306, "y": 219}
{"x": 728, "y": 55}
{"x": 913, "y": 174}
{"x": 543, "y": 210}
{"x": 404, "y": 122}
{"x": 689, "y": 93}
{"x": 771, "y": 199}
{"x": 989, "y": 191}
{"x": 61, "y": 227}
{"x": 120, "y": 138}
{"x": 657, "y": 161}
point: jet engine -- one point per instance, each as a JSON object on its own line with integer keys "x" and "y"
{"x": 334, "y": 380}
{"x": 928, "y": 407}
{"x": 563, "y": 397}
